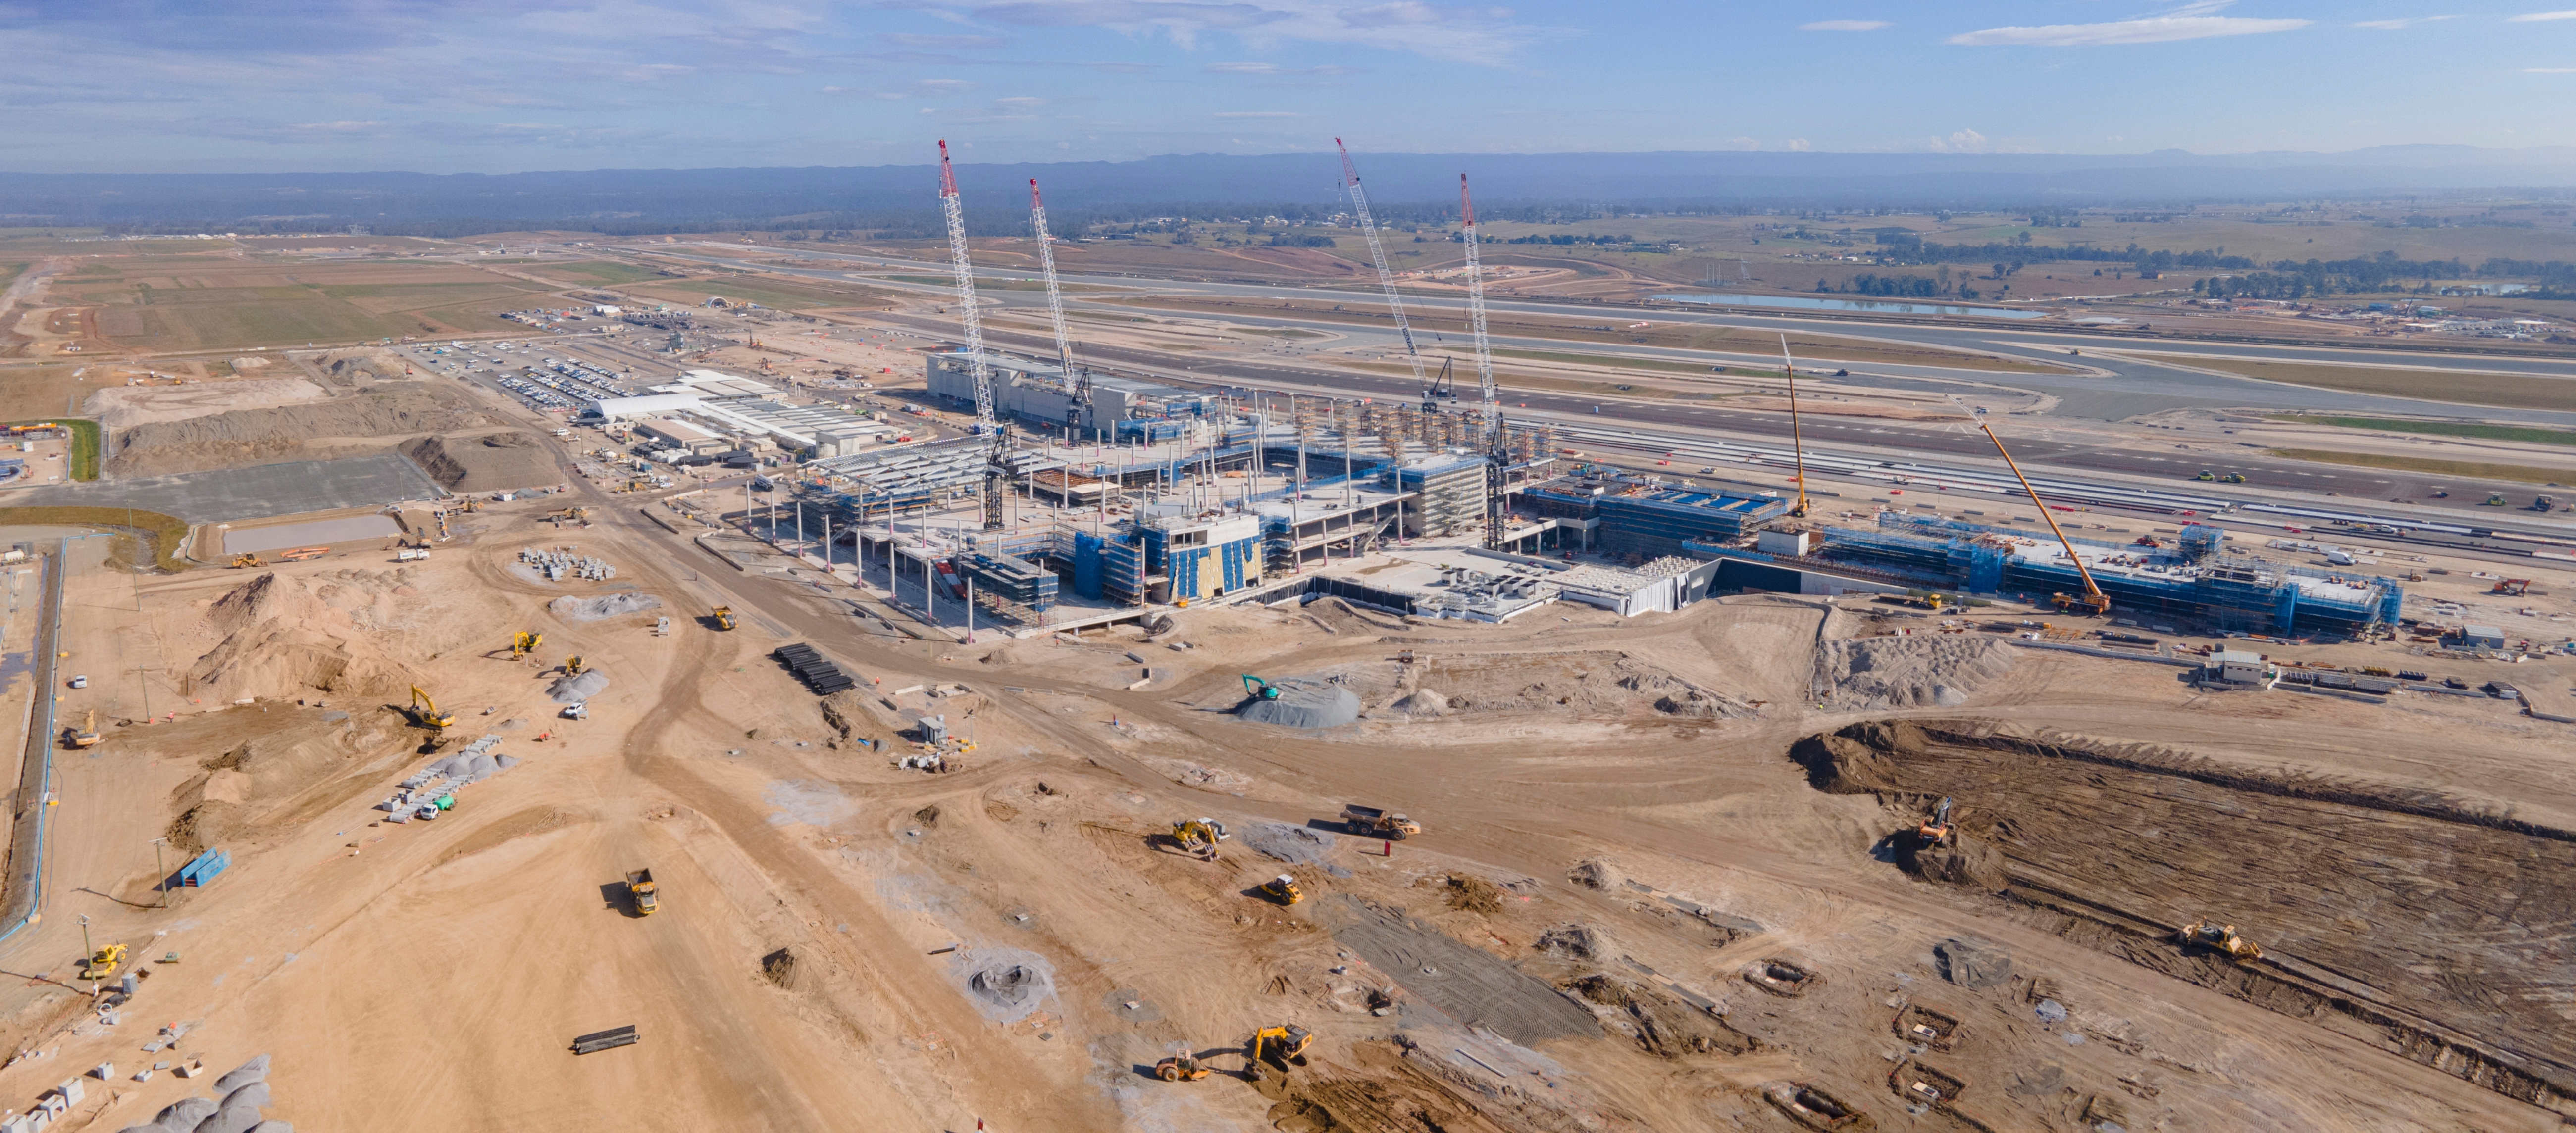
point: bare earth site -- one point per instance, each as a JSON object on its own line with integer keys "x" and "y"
{"x": 743, "y": 650}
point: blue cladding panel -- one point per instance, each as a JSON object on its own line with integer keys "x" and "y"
{"x": 1086, "y": 564}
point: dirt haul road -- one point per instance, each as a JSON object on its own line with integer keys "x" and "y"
{"x": 1613, "y": 823}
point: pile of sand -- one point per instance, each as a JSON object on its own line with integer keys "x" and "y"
{"x": 490, "y": 463}
{"x": 1591, "y": 683}
{"x": 347, "y": 367}
{"x": 364, "y": 422}
{"x": 1424, "y": 701}
{"x": 284, "y": 636}
{"x": 1303, "y": 704}
{"x": 577, "y": 687}
{"x": 1912, "y": 671}
{"x": 124, "y": 407}
{"x": 593, "y": 609}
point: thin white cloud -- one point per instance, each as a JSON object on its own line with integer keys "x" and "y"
{"x": 1276, "y": 69}
{"x": 1959, "y": 141}
{"x": 1843, "y": 25}
{"x": 1021, "y": 102}
{"x": 2549, "y": 70}
{"x": 1471, "y": 35}
{"x": 2160, "y": 29}
{"x": 1257, "y": 114}
{"x": 2394, "y": 25}
{"x": 942, "y": 42}
{"x": 2536, "y": 17}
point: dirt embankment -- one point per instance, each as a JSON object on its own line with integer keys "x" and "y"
{"x": 2440, "y": 928}
{"x": 367, "y": 421}
{"x": 489, "y": 463}
{"x": 285, "y": 636}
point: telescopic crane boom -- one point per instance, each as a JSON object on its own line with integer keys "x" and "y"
{"x": 2092, "y": 601}
{"x": 1073, "y": 385}
{"x": 1797, "y": 438}
{"x": 1489, "y": 424}
{"x": 1377, "y": 253}
{"x": 965, "y": 269}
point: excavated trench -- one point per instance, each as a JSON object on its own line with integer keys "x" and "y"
{"x": 2441, "y": 929}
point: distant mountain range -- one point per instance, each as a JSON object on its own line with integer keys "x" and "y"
{"x": 1424, "y": 185}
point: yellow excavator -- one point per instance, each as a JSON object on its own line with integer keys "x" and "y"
{"x": 1199, "y": 836}
{"x": 724, "y": 617}
{"x": 572, "y": 666}
{"x": 1281, "y": 1045}
{"x": 84, "y": 736}
{"x": 1283, "y": 889}
{"x": 247, "y": 560}
{"x": 104, "y": 962}
{"x": 424, "y": 712}
{"x": 525, "y": 642}
{"x": 2092, "y": 603}
{"x": 2221, "y": 938}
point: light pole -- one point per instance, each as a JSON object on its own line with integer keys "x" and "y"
{"x": 160, "y": 871}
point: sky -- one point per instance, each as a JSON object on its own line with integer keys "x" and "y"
{"x": 517, "y": 85}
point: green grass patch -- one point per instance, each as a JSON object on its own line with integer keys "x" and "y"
{"x": 1636, "y": 363}
{"x": 2521, "y": 433}
{"x": 2460, "y": 468}
{"x": 169, "y": 533}
{"x": 85, "y": 443}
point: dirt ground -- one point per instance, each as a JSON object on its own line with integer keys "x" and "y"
{"x": 1615, "y": 831}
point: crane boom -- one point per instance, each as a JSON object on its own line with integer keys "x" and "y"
{"x": 2094, "y": 601}
{"x": 1797, "y": 439}
{"x": 1055, "y": 298}
{"x": 1377, "y": 254}
{"x": 1491, "y": 423}
{"x": 965, "y": 269}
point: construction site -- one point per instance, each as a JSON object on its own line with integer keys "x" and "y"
{"x": 1089, "y": 751}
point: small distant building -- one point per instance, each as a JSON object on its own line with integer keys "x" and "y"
{"x": 2481, "y": 637}
{"x": 2237, "y": 667}
{"x": 1791, "y": 543}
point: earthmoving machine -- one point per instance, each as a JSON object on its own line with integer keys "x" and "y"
{"x": 1283, "y": 889}
{"x": 2206, "y": 474}
{"x": 1199, "y": 836}
{"x": 1371, "y": 822}
{"x": 641, "y": 890}
{"x": 525, "y": 642}
{"x": 1935, "y": 828}
{"x": 83, "y": 736}
{"x": 2221, "y": 938}
{"x": 724, "y": 617}
{"x": 1181, "y": 1068}
{"x": 1281, "y": 1045}
{"x": 2494, "y": 499}
{"x": 572, "y": 666}
{"x": 2513, "y": 586}
{"x": 104, "y": 962}
{"x": 2091, "y": 603}
{"x": 424, "y": 712}
{"x": 247, "y": 560}
{"x": 1255, "y": 686}
{"x": 2232, "y": 478}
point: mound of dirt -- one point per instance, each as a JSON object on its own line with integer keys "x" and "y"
{"x": 1604, "y": 683}
{"x": 1962, "y": 860}
{"x": 573, "y": 609}
{"x": 1595, "y": 873}
{"x": 491, "y": 463}
{"x": 347, "y": 367}
{"x": 1303, "y": 704}
{"x": 578, "y": 687}
{"x": 363, "y": 422}
{"x": 283, "y": 636}
{"x": 1423, "y": 702}
{"x": 1662, "y": 1024}
{"x": 124, "y": 407}
{"x": 1912, "y": 671}
{"x": 1340, "y": 617}
{"x": 1575, "y": 942}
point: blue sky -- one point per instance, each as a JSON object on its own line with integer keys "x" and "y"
{"x": 514, "y": 85}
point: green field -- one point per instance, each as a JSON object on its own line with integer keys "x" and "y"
{"x": 2522, "y": 433}
{"x": 174, "y": 304}
{"x": 2462, "y": 468}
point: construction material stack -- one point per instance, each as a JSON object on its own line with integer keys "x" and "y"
{"x": 820, "y": 675}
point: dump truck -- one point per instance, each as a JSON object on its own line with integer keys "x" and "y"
{"x": 1371, "y": 822}
{"x": 724, "y": 617}
{"x": 639, "y": 888}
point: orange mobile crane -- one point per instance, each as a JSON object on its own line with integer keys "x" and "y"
{"x": 1797, "y": 438}
{"x": 2091, "y": 603}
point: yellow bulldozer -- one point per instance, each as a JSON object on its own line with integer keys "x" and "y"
{"x": 2221, "y": 938}
{"x": 1283, "y": 889}
{"x": 424, "y": 712}
{"x": 525, "y": 642}
{"x": 1199, "y": 836}
{"x": 247, "y": 560}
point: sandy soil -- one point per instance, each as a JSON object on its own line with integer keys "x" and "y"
{"x": 1615, "y": 829}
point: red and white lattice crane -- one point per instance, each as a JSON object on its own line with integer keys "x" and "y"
{"x": 1055, "y": 301}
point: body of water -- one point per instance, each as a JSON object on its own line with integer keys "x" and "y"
{"x": 1882, "y": 306}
